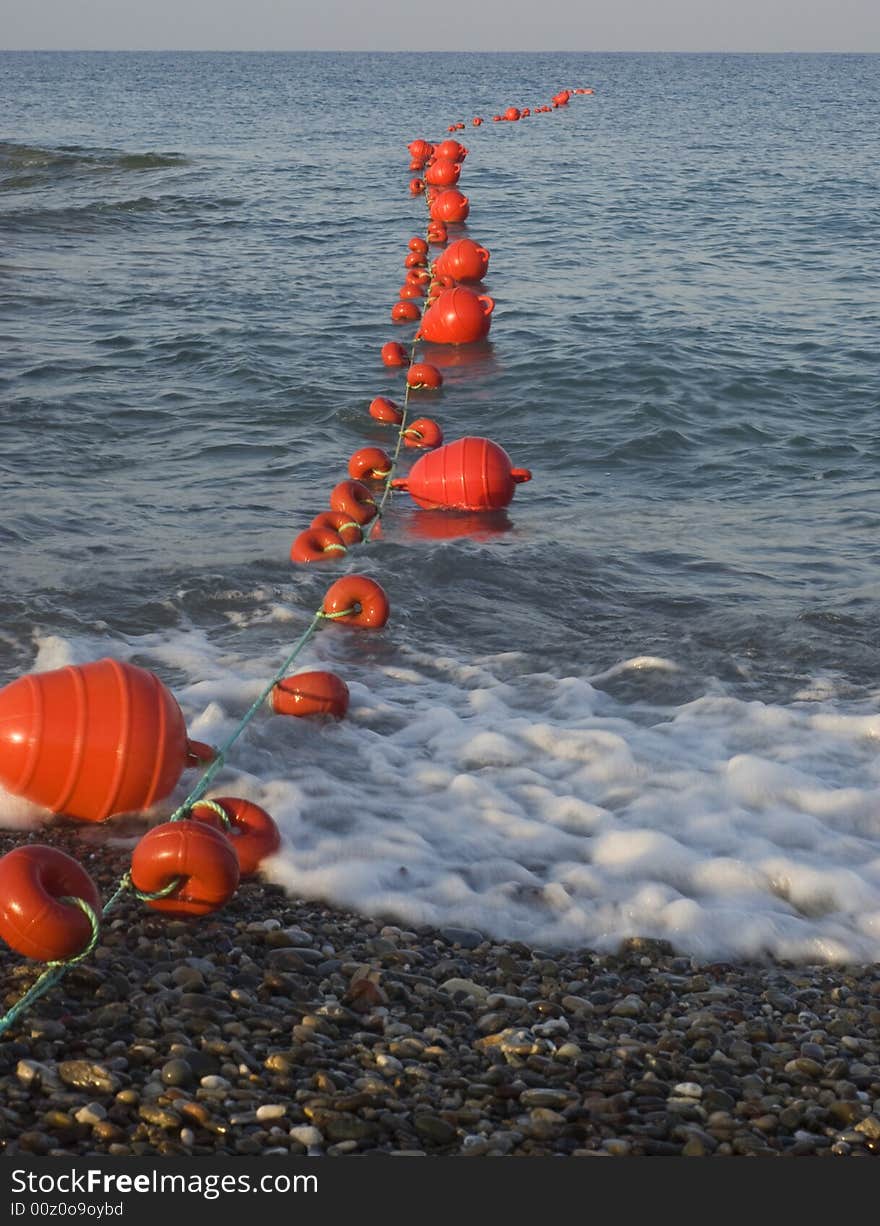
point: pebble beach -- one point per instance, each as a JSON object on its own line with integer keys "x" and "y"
{"x": 280, "y": 1027}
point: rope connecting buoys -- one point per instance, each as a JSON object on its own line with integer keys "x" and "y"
{"x": 42, "y": 891}
{"x": 471, "y": 474}
{"x": 193, "y": 866}
{"x": 457, "y": 317}
{"x": 251, "y": 830}
{"x": 358, "y": 601}
{"x": 92, "y": 740}
{"x": 312, "y": 693}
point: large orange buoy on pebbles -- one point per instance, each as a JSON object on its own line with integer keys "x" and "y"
{"x": 337, "y": 521}
{"x": 471, "y": 474}
{"x": 383, "y": 409}
{"x": 424, "y": 433}
{"x": 451, "y": 149}
{"x": 443, "y": 173}
{"x": 199, "y": 858}
{"x": 317, "y": 545}
{"x": 354, "y": 499}
{"x": 250, "y": 829}
{"x": 37, "y": 918}
{"x": 357, "y": 600}
{"x": 91, "y": 740}
{"x": 450, "y": 206}
{"x": 424, "y": 375}
{"x": 370, "y": 464}
{"x": 457, "y": 317}
{"x": 394, "y": 354}
{"x": 315, "y": 693}
{"x": 464, "y": 260}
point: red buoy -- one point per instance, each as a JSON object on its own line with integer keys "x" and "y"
{"x": 201, "y": 858}
{"x": 420, "y": 149}
{"x": 416, "y": 187}
{"x": 458, "y": 317}
{"x": 250, "y": 829}
{"x": 360, "y": 599}
{"x": 464, "y": 260}
{"x": 512, "y": 113}
{"x": 443, "y": 173}
{"x": 383, "y": 409}
{"x": 316, "y": 693}
{"x": 437, "y": 233}
{"x": 415, "y": 259}
{"x": 450, "y": 206}
{"x": 92, "y": 740}
{"x": 411, "y": 289}
{"x": 317, "y": 545}
{"x": 355, "y": 500}
{"x": 370, "y": 464}
{"x": 424, "y": 433}
{"x": 405, "y": 312}
{"x": 394, "y": 354}
{"x": 418, "y": 245}
{"x": 471, "y": 474}
{"x": 35, "y": 918}
{"x": 418, "y": 276}
{"x": 424, "y": 375}
{"x": 451, "y": 149}
{"x": 476, "y": 121}
{"x": 337, "y": 521}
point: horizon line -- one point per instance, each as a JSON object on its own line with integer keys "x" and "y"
{"x": 414, "y": 51}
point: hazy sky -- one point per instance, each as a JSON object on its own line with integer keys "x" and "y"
{"x": 443, "y": 25}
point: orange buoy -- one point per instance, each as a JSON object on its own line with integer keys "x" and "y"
{"x": 35, "y": 919}
{"x": 418, "y": 276}
{"x": 416, "y": 187}
{"x": 450, "y": 206}
{"x": 418, "y": 245}
{"x": 471, "y": 474}
{"x": 464, "y": 260}
{"x": 337, "y": 521}
{"x": 360, "y": 599}
{"x": 383, "y": 409}
{"x": 424, "y": 375}
{"x": 420, "y": 149}
{"x": 415, "y": 259}
{"x": 512, "y": 114}
{"x": 404, "y": 312}
{"x": 317, "y": 545}
{"x": 496, "y": 119}
{"x": 437, "y": 235}
{"x": 370, "y": 464}
{"x": 250, "y": 829}
{"x": 424, "y": 433}
{"x": 524, "y": 113}
{"x": 394, "y": 354}
{"x": 443, "y": 173}
{"x": 561, "y": 99}
{"x": 203, "y": 860}
{"x": 451, "y": 149}
{"x": 316, "y": 693}
{"x": 411, "y": 289}
{"x": 458, "y": 317}
{"x": 354, "y": 499}
{"x": 92, "y": 740}
{"x": 476, "y": 121}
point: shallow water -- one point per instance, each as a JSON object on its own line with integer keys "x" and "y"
{"x": 645, "y": 701}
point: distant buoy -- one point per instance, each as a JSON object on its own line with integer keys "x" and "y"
{"x": 416, "y": 187}
{"x": 471, "y": 474}
{"x": 512, "y": 114}
{"x": 424, "y": 433}
{"x": 315, "y": 693}
{"x": 369, "y": 464}
{"x": 200, "y": 858}
{"x": 424, "y": 375}
{"x": 92, "y": 740}
{"x": 464, "y": 260}
{"x": 317, "y": 545}
{"x": 476, "y": 121}
{"x": 337, "y": 521}
{"x": 251, "y": 831}
{"x": 355, "y": 500}
{"x": 394, "y": 354}
{"x": 383, "y": 409}
{"x": 450, "y": 206}
{"x": 361, "y": 600}
{"x": 36, "y": 918}
{"x": 457, "y": 317}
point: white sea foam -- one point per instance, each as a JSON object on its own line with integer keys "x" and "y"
{"x": 541, "y": 809}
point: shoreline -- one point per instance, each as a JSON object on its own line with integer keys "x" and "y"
{"x": 285, "y": 1027}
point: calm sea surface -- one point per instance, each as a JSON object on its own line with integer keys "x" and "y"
{"x": 645, "y": 702}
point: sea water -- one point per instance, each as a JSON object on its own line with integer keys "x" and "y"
{"x": 642, "y": 702}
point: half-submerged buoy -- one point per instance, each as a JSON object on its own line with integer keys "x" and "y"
{"x": 424, "y": 375}
{"x": 464, "y": 260}
{"x": 383, "y": 409}
{"x": 37, "y": 915}
{"x": 92, "y": 740}
{"x": 450, "y": 206}
{"x": 394, "y": 354}
{"x": 457, "y": 317}
{"x": 358, "y": 601}
{"x": 314, "y": 693}
{"x": 471, "y": 474}
{"x": 443, "y": 173}
{"x": 451, "y": 149}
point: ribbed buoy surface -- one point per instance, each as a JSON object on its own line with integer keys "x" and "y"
{"x": 91, "y": 740}
{"x": 471, "y": 474}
